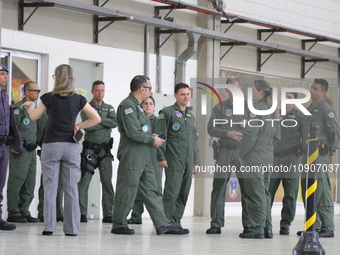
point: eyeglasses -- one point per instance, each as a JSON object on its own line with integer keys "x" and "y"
{"x": 35, "y": 90}
{"x": 147, "y": 87}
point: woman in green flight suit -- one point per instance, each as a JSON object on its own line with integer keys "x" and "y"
{"x": 257, "y": 151}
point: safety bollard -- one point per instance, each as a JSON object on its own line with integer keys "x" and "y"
{"x": 309, "y": 243}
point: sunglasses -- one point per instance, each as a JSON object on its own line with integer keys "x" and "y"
{"x": 35, "y": 90}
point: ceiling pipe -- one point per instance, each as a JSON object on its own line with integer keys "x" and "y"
{"x": 185, "y": 56}
{"x": 248, "y": 20}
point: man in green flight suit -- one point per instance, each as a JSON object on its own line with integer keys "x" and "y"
{"x": 179, "y": 154}
{"x": 135, "y": 170}
{"x": 287, "y": 153}
{"x": 228, "y": 149}
{"x": 329, "y": 134}
{"x": 97, "y": 153}
{"x": 22, "y": 167}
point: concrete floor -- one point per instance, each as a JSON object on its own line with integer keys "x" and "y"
{"x": 95, "y": 238}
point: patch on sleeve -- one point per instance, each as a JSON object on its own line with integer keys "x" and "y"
{"x": 331, "y": 115}
{"x": 112, "y": 109}
{"x": 161, "y": 116}
{"x": 128, "y": 111}
{"x": 16, "y": 111}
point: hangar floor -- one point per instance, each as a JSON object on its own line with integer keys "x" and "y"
{"x": 95, "y": 238}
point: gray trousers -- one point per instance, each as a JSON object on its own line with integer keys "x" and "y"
{"x": 64, "y": 158}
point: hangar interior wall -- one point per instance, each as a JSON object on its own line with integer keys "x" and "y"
{"x": 67, "y": 35}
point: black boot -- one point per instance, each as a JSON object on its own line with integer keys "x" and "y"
{"x": 6, "y": 226}
{"x": 122, "y": 231}
{"x": 214, "y": 230}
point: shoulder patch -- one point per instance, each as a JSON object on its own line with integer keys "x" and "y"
{"x": 228, "y": 112}
{"x": 128, "y": 111}
{"x": 331, "y": 115}
{"x": 161, "y": 116}
{"x": 178, "y": 114}
{"x": 253, "y": 115}
{"x": 140, "y": 108}
{"x": 111, "y": 109}
{"x": 26, "y": 121}
{"x": 16, "y": 111}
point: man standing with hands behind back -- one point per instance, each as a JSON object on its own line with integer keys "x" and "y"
{"x": 97, "y": 153}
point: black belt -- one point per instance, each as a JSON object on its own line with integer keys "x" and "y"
{"x": 29, "y": 146}
{"x": 233, "y": 146}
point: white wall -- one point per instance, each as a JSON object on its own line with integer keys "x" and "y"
{"x": 321, "y": 17}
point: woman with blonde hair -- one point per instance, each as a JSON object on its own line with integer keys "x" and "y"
{"x": 257, "y": 153}
{"x": 60, "y": 153}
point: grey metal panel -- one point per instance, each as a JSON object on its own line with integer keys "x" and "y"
{"x": 91, "y": 9}
{"x": 185, "y": 56}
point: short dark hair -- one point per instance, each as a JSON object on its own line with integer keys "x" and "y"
{"x": 323, "y": 83}
{"x": 231, "y": 79}
{"x": 98, "y": 82}
{"x": 181, "y": 85}
{"x": 137, "y": 82}
{"x": 27, "y": 85}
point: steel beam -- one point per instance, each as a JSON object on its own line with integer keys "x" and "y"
{"x": 135, "y": 18}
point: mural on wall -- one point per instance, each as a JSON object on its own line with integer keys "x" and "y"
{"x": 19, "y": 78}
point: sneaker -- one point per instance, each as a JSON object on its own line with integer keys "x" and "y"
{"x": 6, "y": 226}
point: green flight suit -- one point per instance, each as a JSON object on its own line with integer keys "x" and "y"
{"x": 228, "y": 156}
{"x": 41, "y": 126}
{"x": 180, "y": 150}
{"x": 138, "y": 207}
{"x": 329, "y": 131}
{"x": 256, "y": 152}
{"x": 288, "y": 152}
{"x": 99, "y": 134}
{"x": 135, "y": 170}
{"x": 22, "y": 168}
